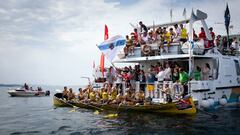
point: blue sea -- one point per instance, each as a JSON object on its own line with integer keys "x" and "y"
{"x": 38, "y": 116}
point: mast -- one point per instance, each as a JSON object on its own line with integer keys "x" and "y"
{"x": 190, "y": 47}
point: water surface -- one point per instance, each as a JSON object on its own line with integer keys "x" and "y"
{"x": 37, "y": 116}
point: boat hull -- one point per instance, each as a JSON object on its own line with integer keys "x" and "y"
{"x": 169, "y": 108}
{"x": 22, "y": 93}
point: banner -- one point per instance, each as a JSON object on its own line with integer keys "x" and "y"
{"x": 111, "y": 47}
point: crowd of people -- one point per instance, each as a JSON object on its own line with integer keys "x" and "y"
{"x": 26, "y": 87}
{"x": 121, "y": 84}
{"x": 164, "y": 36}
{"x": 105, "y": 95}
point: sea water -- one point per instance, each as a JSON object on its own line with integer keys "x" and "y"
{"x": 38, "y": 116}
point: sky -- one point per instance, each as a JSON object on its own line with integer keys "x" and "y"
{"x": 53, "y": 42}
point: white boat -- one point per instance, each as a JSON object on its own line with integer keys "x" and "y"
{"x": 27, "y": 93}
{"x": 223, "y": 86}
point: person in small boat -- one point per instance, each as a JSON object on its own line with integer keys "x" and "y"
{"x": 140, "y": 97}
{"x": 80, "y": 94}
{"x": 71, "y": 94}
{"x": 120, "y": 97}
{"x": 105, "y": 96}
{"x": 92, "y": 96}
{"x": 128, "y": 99}
{"x": 26, "y": 87}
{"x": 114, "y": 93}
{"x": 65, "y": 93}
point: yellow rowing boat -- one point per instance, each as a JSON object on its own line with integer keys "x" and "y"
{"x": 184, "y": 106}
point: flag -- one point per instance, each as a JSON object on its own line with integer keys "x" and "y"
{"x": 106, "y": 32}
{"x": 111, "y": 47}
{"x": 102, "y": 64}
{"x": 184, "y": 13}
{"x": 227, "y": 18}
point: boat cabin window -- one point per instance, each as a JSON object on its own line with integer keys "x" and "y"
{"x": 237, "y": 67}
{"x": 209, "y": 68}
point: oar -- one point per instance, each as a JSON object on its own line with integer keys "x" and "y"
{"x": 74, "y": 107}
{"x": 113, "y": 115}
{"x": 210, "y": 114}
{"x": 93, "y": 106}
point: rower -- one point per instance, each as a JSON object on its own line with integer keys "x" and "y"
{"x": 92, "y": 96}
{"x": 65, "y": 93}
{"x": 70, "y": 94}
{"x": 80, "y": 95}
{"x": 105, "y": 96}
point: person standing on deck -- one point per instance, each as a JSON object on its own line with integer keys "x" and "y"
{"x": 184, "y": 34}
{"x": 206, "y": 71}
{"x": 142, "y": 79}
{"x": 150, "y": 82}
{"x": 183, "y": 78}
{"x": 110, "y": 77}
{"x": 143, "y": 27}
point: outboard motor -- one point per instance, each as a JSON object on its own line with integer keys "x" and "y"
{"x": 47, "y": 93}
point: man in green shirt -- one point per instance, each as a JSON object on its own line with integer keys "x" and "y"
{"x": 197, "y": 73}
{"x": 183, "y": 78}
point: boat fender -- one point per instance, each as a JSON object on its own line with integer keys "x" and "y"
{"x": 146, "y": 49}
{"x": 223, "y": 101}
{"x": 211, "y": 101}
{"x": 205, "y": 103}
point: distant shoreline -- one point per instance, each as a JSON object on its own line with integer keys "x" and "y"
{"x": 10, "y": 85}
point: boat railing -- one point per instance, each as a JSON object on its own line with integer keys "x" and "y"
{"x": 158, "y": 89}
{"x": 193, "y": 86}
{"x": 156, "y": 50}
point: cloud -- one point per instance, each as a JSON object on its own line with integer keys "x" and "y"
{"x": 54, "y": 42}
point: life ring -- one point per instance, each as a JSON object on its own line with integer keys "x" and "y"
{"x": 146, "y": 49}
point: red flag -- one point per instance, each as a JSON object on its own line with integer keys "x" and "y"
{"x": 102, "y": 64}
{"x": 106, "y": 32}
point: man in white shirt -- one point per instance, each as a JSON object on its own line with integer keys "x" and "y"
{"x": 234, "y": 45}
{"x": 167, "y": 73}
{"x": 160, "y": 75}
